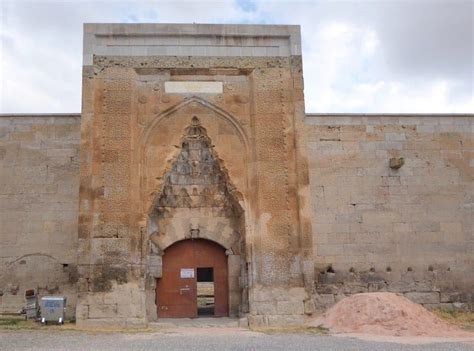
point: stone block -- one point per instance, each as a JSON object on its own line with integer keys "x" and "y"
{"x": 193, "y": 87}
{"x": 395, "y": 136}
{"x": 12, "y": 303}
{"x": 128, "y": 309}
{"x": 115, "y": 249}
{"x": 261, "y": 294}
{"x": 423, "y": 297}
{"x": 289, "y": 307}
{"x": 295, "y": 294}
{"x": 351, "y": 288}
{"x": 155, "y": 266}
{"x": 309, "y": 307}
{"x": 82, "y": 311}
{"x": 103, "y": 311}
{"x": 404, "y": 286}
{"x": 264, "y": 308}
{"x": 234, "y": 283}
{"x": 401, "y": 286}
{"x": 330, "y": 249}
{"x": 286, "y": 320}
{"x": 234, "y": 265}
{"x": 243, "y": 322}
{"x": 257, "y": 321}
{"x": 136, "y": 323}
{"x": 377, "y": 286}
{"x": 396, "y": 162}
{"x": 328, "y": 289}
{"x": 450, "y": 297}
{"x": 323, "y": 300}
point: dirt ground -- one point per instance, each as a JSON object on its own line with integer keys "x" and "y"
{"x": 18, "y": 334}
{"x": 209, "y": 339}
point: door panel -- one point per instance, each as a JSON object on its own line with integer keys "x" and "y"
{"x": 177, "y": 297}
{"x": 221, "y": 291}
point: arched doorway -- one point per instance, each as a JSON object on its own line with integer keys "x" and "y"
{"x": 194, "y": 281}
{"x": 196, "y": 201}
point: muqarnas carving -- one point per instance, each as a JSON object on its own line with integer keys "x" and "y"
{"x": 197, "y": 178}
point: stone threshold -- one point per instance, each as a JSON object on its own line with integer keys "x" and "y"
{"x": 200, "y": 322}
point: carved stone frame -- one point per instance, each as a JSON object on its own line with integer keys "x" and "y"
{"x": 157, "y": 242}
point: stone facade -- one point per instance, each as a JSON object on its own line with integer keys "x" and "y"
{"x": 199, "y": 131}
{"x": 39, "y": 188}
{"x": 136, "y": 198}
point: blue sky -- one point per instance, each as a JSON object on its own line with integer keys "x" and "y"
{"x": 358, "y": 56}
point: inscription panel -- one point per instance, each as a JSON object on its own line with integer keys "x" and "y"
{"x": 188, "y": 87}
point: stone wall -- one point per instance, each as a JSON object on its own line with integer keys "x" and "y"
{"x": 39, "y": 172}
{"x": 408, "y": 230}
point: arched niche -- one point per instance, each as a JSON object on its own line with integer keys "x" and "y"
{"x": 160, "y": 145}
{"x": 196, "y": 199}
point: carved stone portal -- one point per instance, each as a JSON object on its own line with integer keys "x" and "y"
{"x": 197, "y": 200}
{"x": 197, "y": 179}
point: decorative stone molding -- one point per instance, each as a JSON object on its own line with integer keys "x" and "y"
{"x": 196, "y": 180}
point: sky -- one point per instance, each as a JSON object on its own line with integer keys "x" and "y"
{"x": 410, "y": 56}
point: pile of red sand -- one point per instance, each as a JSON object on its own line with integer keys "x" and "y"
{"x": 385, "y": 314}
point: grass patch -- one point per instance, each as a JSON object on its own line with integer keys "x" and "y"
{"x": 7, "y": 322}
{"x": 19, "y": 323}
{"x": 319, "y": 330}
{"x": 462, "y": 319}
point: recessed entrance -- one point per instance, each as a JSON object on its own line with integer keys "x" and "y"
{"x": 194, "y": 281}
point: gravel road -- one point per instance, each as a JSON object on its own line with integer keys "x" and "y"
{"x": 208, "y": 339}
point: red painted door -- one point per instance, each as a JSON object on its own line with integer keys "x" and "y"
{"x": 176, "y": 291}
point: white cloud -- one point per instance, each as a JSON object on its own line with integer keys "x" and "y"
{"x": 351, "y": 75}
{"x": 412, "y": 56}
{"x": 337, "y": 63}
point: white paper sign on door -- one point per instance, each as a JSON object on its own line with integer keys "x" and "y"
{"x": 187, "y": 273}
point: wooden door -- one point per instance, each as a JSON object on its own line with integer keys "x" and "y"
{"x": 176, "y": 291}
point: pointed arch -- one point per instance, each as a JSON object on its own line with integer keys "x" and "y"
{"x": 217, "y": 110}
{"x": 165, "y": 120}
{"x": 203, "y": 170}
{"x": 209, "y": 204}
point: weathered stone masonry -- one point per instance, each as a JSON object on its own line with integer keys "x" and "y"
{"x": 431, "y": 266}
{"x": 131, "y": 129}
{"x": 39, "y": 189}
{"x": 309, "y": 208}
{"x": 198, "y": 186}
{"x": 408, "y": 230}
